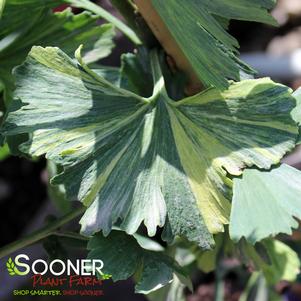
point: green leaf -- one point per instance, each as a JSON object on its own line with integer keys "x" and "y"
{"x": 211, "y": 51}
{"x": 284, "y": 263}
{"x": 207, "y": 259}
{"x": 123, "y": 257}
{"x": 57, "y": 193}
{"x": 132, "y": 159}
{"x": 28, "y": 23}
{"x": 174, "y": 291}
{"x": 135, "y": 73}
{"x": 103, "y": 46}
{"x": 2, "y": 4}
{"x": 4, "y": 152}
{"x": 265, "y": 203}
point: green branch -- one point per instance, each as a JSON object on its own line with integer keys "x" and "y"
{"x": 41, "y": 233}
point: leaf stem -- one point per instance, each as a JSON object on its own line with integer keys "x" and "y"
{"x": 41, "y": 233}
{"x": 219, "y": 274}
{"x": 99, "y": 11}
{"x": 219, "y": 286}
{"x": 72, "y": 235}
{"x": 158, "y": 78}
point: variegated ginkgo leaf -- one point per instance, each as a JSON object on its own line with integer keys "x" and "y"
{"x": 131, "y": 159}
{"x": 198, "y": 30}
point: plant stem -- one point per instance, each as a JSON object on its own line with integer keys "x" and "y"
{"x": 219, "y": 285}
{"x": 159, "y": 84}
{"x": 72, "y": 235}
{"x": 219, "y": 274}
{"x": 41, "y": 233}
{"x": 99, "y": 11}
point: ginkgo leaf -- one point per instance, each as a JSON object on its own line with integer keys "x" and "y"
{"x": 123, "y": 257}
{"x": 42, "y": 27}
{"x": 274, "y": 258}
{"x": 132, "y": 159}
{"x": 211, "y": 51}
{"x": 265, "y": 203}
{"x": 283, "y": 262}
{"x": 134, "y": 73}
{"x": 174, "y": 291}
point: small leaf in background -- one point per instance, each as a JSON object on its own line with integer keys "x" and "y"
{"x": 284, "y": 263}
{"x": 265, "y": 203}
{"x": 134, "y": 73}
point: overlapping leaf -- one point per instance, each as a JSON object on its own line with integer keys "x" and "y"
{"x": 265, "y": 203}
{"x": 132, "y": 159}
{"x": 275, "y": 259}
{"x": 211, "y": 51}
{"x": 280, "y": 262}
{"x": 123, "y": 257}
{"x": 28, "y": 23}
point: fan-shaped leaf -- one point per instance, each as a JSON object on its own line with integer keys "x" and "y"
{"x": 265, "y": 203}
{"x": 132, "y": 159}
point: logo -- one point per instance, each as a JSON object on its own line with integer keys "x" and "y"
{"x": 82, "y": 277}
{"x": 84, "y": 267}
{"x": 12, "y": 269}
